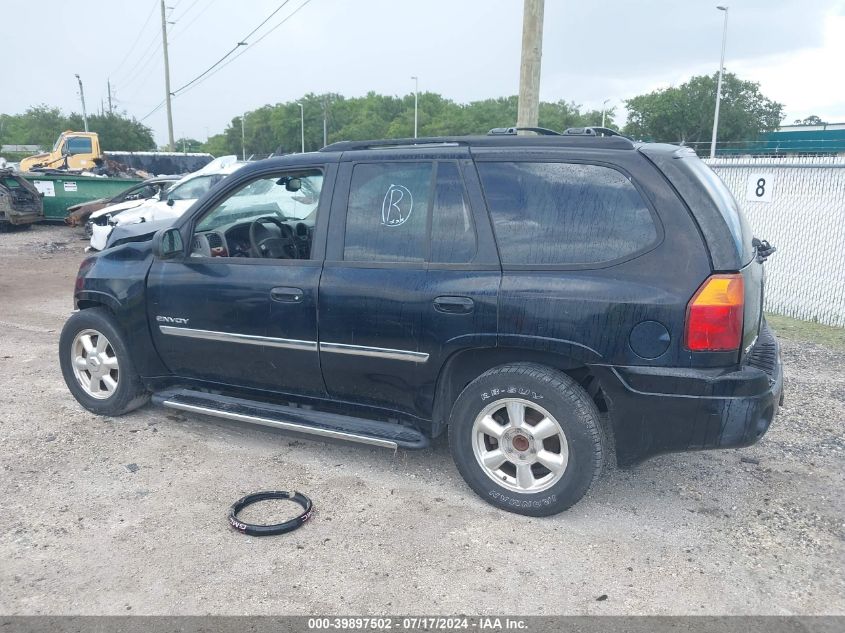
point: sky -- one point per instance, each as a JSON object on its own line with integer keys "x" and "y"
{"x": 593, "y": 50}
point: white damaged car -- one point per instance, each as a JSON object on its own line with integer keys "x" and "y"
{"x": 171, "y": 204}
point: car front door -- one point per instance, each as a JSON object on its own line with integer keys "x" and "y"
{"x": 241, "y": 307}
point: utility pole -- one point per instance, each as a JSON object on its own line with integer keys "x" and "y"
{"x": 603, "y": 110}
{"x": 528, "y": 111}
{"x": 170, "y": 142}
{"x": 719, "y": 84}
{"x": 416, "y": 102}
{"x": 111, "y": 109}
{"x": 82, "y": 97}
{"x": 243, "y": 136}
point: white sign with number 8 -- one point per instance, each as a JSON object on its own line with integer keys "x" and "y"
{"x": 760, "y": 188}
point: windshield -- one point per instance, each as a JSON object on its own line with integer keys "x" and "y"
{"x": 289, "y": 197}
{"x": 194, "y": 188}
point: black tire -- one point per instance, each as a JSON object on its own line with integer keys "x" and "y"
{"x": 572, "y": 408}
{"x": 130, "y": 392}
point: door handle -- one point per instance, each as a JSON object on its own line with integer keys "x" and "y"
{"x": 287, "y": 295}
{"x": 454, "y": 305}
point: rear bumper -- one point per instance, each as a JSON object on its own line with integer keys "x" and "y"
{"x": 660, "y": 410}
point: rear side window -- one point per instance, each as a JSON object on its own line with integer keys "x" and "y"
{"x": 387, "y": 216}
{"x": 564, "y": 213}
{"x": 452, "y": 228}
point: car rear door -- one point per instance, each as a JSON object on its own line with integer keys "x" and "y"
{"x": 388, "y": 314}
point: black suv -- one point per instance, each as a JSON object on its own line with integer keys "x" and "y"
{"x": 532, "y": 295}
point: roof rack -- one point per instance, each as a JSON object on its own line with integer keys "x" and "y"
{"x": 396, "y": 143}
{"x": 572, "y": 139}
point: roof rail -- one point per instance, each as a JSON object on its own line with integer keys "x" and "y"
{"x": 395, "y": 143}
{"x": 592, "y": 131}
{"x": 572, "y": 139}
{"x": 540, "y": 131}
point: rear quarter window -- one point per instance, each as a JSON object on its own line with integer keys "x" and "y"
{"x": 565, "y": 214}
{"x": 726, "y": 204}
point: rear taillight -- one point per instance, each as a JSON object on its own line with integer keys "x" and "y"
{"x": 714, "y": 315}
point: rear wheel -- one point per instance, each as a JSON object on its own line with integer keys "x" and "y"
{"x": 527, "y": 439}
{"x": 96, "y": 365}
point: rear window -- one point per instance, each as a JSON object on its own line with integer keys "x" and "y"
{"x": 565, "y": 214}
{"x": 726, "y": 204}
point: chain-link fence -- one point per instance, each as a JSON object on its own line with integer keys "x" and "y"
{"x": 798, "y": 204}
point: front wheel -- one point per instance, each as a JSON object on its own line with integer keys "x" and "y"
{"x": 96, "y": 366}
{"x": 527, "y": 439}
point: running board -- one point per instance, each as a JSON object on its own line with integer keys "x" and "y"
{"x": 329, "y": 425}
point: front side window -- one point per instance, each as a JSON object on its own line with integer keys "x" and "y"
{"x": 387, "y": 214}
{"x": 272, "y": 217}
{"x": 564, "y": 213}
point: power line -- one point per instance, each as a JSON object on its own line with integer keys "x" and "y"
{"x": 241, "y": 42}
{"x": 150, "y": 52}
{"x": 139, "y": 81}
{"x": 152, "y": 112}
{"x": 188, "y": 10}
{"x": 215, "y": 68}
{"x": 137, "y": 39}
{"x": 250, "y": 47}
{"x": 189, "y": 24}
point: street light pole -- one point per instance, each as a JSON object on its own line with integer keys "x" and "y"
{"x": 603, "y": 110}
{"x": 416, "y": 102}
{"x": 302, "y": 125}
{"x": 82, "y": 97}
{"x": 719, "y": 83}
{"x": 243, "y": 136}
{"x": 325, "y": 124}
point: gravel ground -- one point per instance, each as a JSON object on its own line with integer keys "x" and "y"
{"x": 127, "y": 515}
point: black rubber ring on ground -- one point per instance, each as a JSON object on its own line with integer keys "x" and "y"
{"x": 269, "y": 530}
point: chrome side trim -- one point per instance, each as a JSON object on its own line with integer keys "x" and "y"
{"x": 248, "y": 339}
{"x": 374, "y": 352}
{"x": 289, "y": 343}
{"x": 279, "y": 424}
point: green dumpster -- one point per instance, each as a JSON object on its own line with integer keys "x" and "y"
{"x": 61, "y": 191}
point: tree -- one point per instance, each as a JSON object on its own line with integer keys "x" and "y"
{"x": 41, "y": 125}
{"x": 684, "y": 114}
{"x": 186, "y": 144}
{"x": 116, "y": 132}
{"x": 276, "y": 128}
{"x": 811, "y": 120}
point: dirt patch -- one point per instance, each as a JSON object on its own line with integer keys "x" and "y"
{"x": 109, "y": 516}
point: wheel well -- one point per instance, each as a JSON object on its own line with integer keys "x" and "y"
{"x": 86, "y": 304}
{"x": 464, "y": 367}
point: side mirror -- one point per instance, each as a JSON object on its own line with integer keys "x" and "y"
{"x": 170, "y": 202}
{"x": 167, "y": 244}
